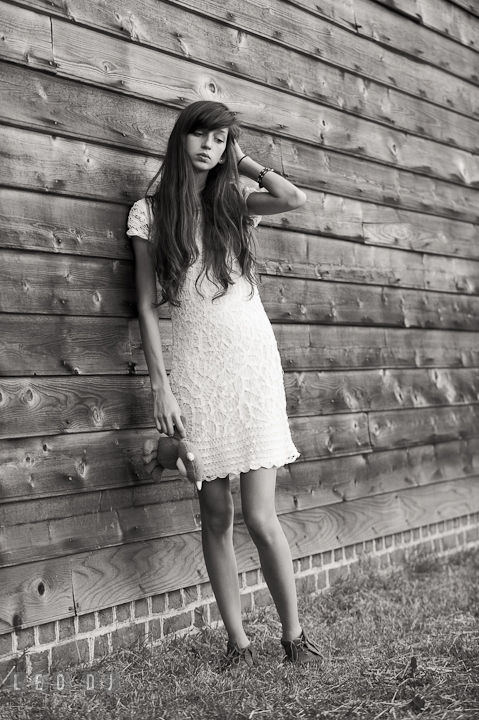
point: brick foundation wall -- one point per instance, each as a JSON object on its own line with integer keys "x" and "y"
{"x": 83, "y": 639}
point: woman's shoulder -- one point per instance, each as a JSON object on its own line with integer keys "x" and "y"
{"x": 139, "y": 219}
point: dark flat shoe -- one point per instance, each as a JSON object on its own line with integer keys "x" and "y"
{"x": 237, "y": 658}
{"x": 301, "y": 650}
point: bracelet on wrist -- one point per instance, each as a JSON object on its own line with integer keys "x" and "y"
{"x": 240, "y": 160}
{"x": 262, "y": 174}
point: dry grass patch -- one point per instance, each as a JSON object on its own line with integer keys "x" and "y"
{"x": 396, "y": 646}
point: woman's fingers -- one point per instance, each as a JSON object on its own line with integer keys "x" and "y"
{"x": 179, "y": 425}
{"x": 168, "y": 424}
{"x": 170, "y": 428}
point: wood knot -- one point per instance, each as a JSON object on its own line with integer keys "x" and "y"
{"x": 97, "y": 415}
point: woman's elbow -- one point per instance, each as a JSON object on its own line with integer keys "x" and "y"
{"x": 296, "y": 199}
{"x": 146, "y": 307}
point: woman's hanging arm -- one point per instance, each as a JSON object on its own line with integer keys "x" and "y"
{"x": 166, "y": 410}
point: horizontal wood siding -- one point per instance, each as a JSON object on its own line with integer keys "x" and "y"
{"x": 372, "y": 287}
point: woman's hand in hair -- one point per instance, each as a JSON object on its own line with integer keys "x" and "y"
{"x": 278, "y": 196}
{"x": 167, "y": 413}
{"x": 238, "y": 151}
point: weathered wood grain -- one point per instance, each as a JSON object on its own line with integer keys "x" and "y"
{"x": 66, "y": 285}
{"x": 429, "y": 12}
{"x": 320, "y": 529}
{"x": 60, "y": 527}
{"x": 285, "y": 30}
{"x": 53, "y": 223}
{"x": 453, "y": 275}
{"x": 94, "y": 58}
{"x": 36, "y": 593}
{"x": 422, "y": 425}
{"x": 79, "y": 404}
{"x": 57, "y": 345}
{"x": 60, "y": 284}
{"x": 304, "y": 347}
{"x": 314, "y": 168}
{"x": 77, "y": 463}
{"x": 294, "y": 254}
{"x": 442, "y": 16}
{"x": 295, "y": 300}
{"x": 141, "y": 569}
{"x": 326, "y": 393}
{"x": 42, "y": 162}
{"x": 347, "y": 478}
{"x": 75, "y": 110}
{"x": 469, "y": 5}
{"x": 427, "y": 349}
{"x": 88, "y": 346}
{"x": 50, "y": 163}
{"x": 300, "y": 485}
{"x": 59, "y": 224}
{"x": 40, "y": 101}
{"x": 62, "y": 465}
{"x": 76, "y": 404}
{"x": 26, "y": 37}
{"x": 386, "y": 226}
{"x": 68, "y": 534}
{"x": 137, "y": 570}
{"x": 53, "y": 345}
{"x": 415, "y": 40}
{"x": 408, "y": 7}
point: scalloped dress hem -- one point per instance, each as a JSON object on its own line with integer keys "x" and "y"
{"x": 267, "y": 464}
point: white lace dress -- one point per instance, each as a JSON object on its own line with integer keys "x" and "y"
{"x": 226, "y": 371}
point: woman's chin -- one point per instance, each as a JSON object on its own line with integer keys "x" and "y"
{"x": 202, "y": 167}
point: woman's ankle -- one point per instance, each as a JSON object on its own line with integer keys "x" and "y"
{"x": 291, "y": 633}
{"x": 239, "y": 639}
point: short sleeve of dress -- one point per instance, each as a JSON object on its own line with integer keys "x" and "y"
{"x": 246, "y": 191}
{"x": 138, "y": 220}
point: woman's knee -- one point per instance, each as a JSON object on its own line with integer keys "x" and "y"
{"x": 218, "y": 522}
{"x": 262, "y": 526}
{"x": 217, "y": 514}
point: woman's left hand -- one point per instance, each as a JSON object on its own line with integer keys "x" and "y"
{"x": 238, "y": 151}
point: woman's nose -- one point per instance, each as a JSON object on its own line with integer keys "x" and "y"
{"x": 207, "y": 141}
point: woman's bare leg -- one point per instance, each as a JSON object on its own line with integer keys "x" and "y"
{"x": 257, "y": 497}
{"x": 217, "y": 511}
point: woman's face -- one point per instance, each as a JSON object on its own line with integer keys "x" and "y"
{"x": 205, "y": 147}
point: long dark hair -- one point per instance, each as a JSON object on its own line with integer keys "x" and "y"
{"x": 227, "y": 227}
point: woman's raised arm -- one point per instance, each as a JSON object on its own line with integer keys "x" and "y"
{"x": 281, "y": 196}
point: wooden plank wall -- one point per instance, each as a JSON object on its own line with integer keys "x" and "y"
{"x": 373, "y": 287}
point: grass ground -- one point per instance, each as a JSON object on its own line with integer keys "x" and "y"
{"x": 396, "y": 646}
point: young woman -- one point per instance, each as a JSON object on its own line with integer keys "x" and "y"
{"x": 225, "y": 391}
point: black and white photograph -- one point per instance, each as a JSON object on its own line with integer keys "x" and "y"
{"x": 239, "y": 359}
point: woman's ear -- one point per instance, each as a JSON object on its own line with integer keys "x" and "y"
{"x": 222, "y": 159}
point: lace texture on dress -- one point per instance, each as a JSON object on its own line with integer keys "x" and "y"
{"x": 226, "y": 370}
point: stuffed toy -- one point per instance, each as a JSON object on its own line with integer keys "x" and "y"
{"x": 173, "y": 453}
